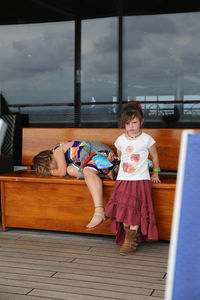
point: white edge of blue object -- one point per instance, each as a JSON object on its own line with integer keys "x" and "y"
{"x": 176, "y": 215}
{"x": 3, "y": 128}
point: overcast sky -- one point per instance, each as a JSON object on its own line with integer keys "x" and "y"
{"x": 36, "y": 62}
{"x": 161, "y": 57}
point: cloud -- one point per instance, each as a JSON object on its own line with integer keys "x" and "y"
{"x": 36, "y": 61}
{"x": 45, "y": 48}
{"x": 45, "y": 53}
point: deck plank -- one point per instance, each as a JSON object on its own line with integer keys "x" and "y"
{"x": 53, "y": 265}
{"x": 75, "y": 287}
{"x": 10, "y": 296}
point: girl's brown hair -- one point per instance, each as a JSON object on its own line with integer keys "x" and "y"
{"x": 131, "y": 110}
{"x": 41, "y": 162}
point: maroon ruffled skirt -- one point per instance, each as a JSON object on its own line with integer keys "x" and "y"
{"x": 131, "y": 203}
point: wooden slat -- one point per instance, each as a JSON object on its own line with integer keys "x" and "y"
{"x": 167, "y": 181}
{"x": 76, "y": 287}
{"x": 10, "y": 296}
{"x": 38, "y": 139}
{"x": 60, "y": 295}
{"x": 14, "y": 289}
{"x": 71, "y": 253}
{"x": 69, "y": 272}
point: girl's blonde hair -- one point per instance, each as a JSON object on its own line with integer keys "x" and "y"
{"x": 131, "y": 110}
{"x": 41, "y": 162}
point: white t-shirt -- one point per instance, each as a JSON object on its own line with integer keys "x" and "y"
{"x": 134, "y": 157}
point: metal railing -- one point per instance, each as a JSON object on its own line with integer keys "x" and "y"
{"x": 98, "y": 112}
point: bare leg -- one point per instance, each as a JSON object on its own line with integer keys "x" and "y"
{"x": 95, "y": 187}
{"x": 136, "y": 227}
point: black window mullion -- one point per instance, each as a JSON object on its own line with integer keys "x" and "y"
{"x": 120, "y": 63}
{"x": 77, "y": 74}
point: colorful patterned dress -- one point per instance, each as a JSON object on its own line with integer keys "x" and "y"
{"x": 72, "y": 156}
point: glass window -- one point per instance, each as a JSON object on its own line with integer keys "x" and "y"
{"x": 161, "y": 62}
{"x": 99, "y": 65}
{"x": 37, "y": 66}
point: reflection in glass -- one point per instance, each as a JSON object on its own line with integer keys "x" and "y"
{"x": 161, "y": 59}
{"x": 37, "y": 63}
{"x": 54, "y": 115}
{"x": 99, "y": 58}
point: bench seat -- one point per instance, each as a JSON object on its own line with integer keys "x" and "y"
{"x": 64, "y": 204}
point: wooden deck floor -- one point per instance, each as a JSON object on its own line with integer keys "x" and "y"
{"x": 40, "y": 265}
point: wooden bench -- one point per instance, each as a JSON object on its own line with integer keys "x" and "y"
{"x": 64, "y": 204}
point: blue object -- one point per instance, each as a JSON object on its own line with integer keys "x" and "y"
{"x": 183, "y": 280}
{"x": 101, "y": 161}
{"x": 150, "y": 164}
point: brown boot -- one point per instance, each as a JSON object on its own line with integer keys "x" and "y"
{"x": 129, "y": 245}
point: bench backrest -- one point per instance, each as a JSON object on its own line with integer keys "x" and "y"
{"x": 39, "y": 139}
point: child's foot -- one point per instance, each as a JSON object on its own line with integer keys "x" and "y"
{"x": 130, "y": 244}
{"x": 97, "y": 219}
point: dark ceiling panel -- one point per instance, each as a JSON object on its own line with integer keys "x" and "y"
{"x": 32, "y": 11}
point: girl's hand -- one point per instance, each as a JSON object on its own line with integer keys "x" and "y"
{"x": 51, "y": 172}
{"x": 155, "y": 178}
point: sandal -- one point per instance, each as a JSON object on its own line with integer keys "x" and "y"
{"x": 101, "y": 216}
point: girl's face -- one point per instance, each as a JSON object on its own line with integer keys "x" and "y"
{"x": 133, "y": 126}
